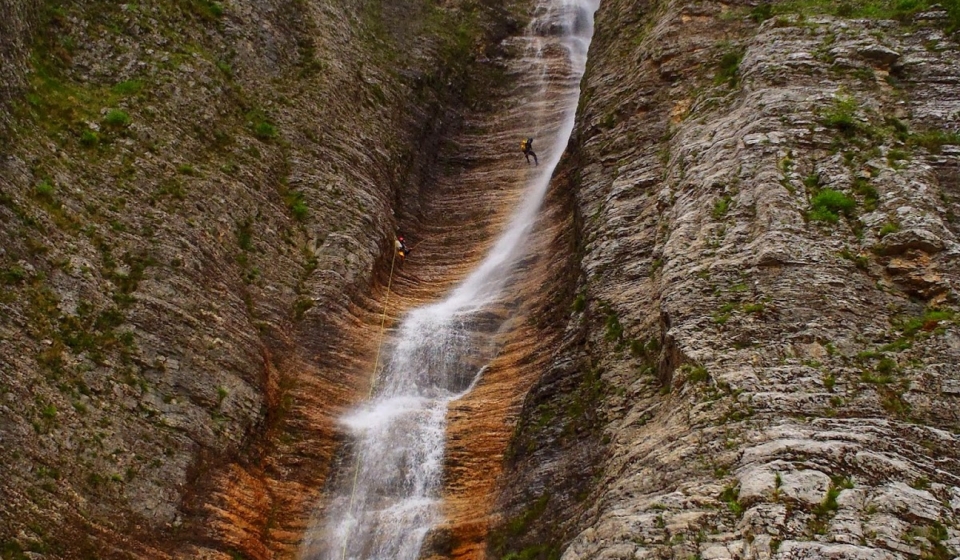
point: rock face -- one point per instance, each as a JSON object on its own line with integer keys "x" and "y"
{"x": 737, "y": 337}
{"x": 776, "y": 371}
{"x": 197, "y": 204}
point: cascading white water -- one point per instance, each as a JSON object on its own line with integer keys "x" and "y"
{"x": 384, "y": 508}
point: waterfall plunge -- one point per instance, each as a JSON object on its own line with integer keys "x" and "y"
{"x": 384, "y": 508}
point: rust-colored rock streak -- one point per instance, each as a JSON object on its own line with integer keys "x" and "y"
{"x": 500, "y": 285}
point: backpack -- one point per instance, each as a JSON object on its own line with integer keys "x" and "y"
{"x": 524, "y": 145}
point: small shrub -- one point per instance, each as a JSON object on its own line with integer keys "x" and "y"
{"x": 844, "y": 10}
{"x": 731, "y": 497}
{"x": 186, "y": 169}
{"x": 829, "y": 382}
{"x": 225, "y": 67}
{"x": 300, "y": 210}
{"x": 871, "y": 198}
{"x": 698, "y": 374}
{"x": 89, "y": 138}
{"x": 886, "y": 366}
{"x": 934, "y": 140}
{"x": 828, "y": 204}
{"x": 301, "y": 306}
{"x": 44, "y": 190}
{"x": 117, "y": 118}
{"x": 264, "y": 131}
{"x": 245, "y": 234}
{"x": 129, "y": 87}
{"x": 729, "y": 67}
{"x": 614, "y": 329}
{"x": 861, "y": 261}
{"x": 579, "y": 303}
{"x": 13, "y": 275}
{"x": 840, "y": 116}
{"x": 896, "y": 155}
{"x": 888, "y": 228}
{"x": 761, "y": 13}
{"x": 721, "y": 207}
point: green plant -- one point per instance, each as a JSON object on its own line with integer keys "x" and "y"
{"x": 264, "y": 131}
{"x": 888, "y": 228}
{"x": 720, "y": 207}
{"x": 728, "y": 68}
{"x": 828, "y": 204}
{"x": 44, "y": 190}
{"x": 761, "y": 12}
{"x": 245, "y": 234}
{"x": 840, "y": 115}
{"x": 261, "y": 126}
{"x": 812, "y": 182}
{"x": 730, "y": 496}
{"x": 934, "y": 140}
{"x": 579, "y": 303}
{"x": 871, "y": 198}
{"x": 186, "y": 169}
{"x": 895, "y": 155}
{"x": 13, "y": 275}
{"x": 697, "y": 374}
{"x": 860, "y": 261}
{"x": 614, "y": 330}
{"x": 829, "y": 381}
{"x": 116, "y": 118}
{"x": 301, "y": 306}
{"x": 89, "y": 138}
{"x": 128, "y": 87}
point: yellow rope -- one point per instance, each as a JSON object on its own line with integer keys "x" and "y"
{"x": 373, "y": 383}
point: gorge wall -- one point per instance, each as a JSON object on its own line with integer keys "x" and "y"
{"x": 737, "y": 338}
{"x": 765, "y": 317}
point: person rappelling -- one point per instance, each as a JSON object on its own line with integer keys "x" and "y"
{"x": 402, "y": 249}
{"x": 527, "y": 148}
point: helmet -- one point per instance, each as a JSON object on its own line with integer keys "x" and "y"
{"x": 400, "y": 238}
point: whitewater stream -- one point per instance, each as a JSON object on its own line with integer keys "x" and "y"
{"x": 387, "y": 497}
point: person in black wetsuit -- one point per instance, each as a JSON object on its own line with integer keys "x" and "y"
{"x": 527, "y": 148}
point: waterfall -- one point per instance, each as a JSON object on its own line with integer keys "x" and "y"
{"x": 385, "y": 505}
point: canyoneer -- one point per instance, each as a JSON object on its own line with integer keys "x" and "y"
{"x": 402, "y": 249}
{"x": 527, "y": 148}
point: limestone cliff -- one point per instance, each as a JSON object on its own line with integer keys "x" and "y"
{"x": 197, "y": 202}
{"x": 737, "y": 335}
{"x": 765, "y": 324}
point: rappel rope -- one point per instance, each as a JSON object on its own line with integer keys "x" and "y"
{"x": 373, "y": 384}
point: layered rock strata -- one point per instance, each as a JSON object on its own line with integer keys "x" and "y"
{"x": 767, "y": 295}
